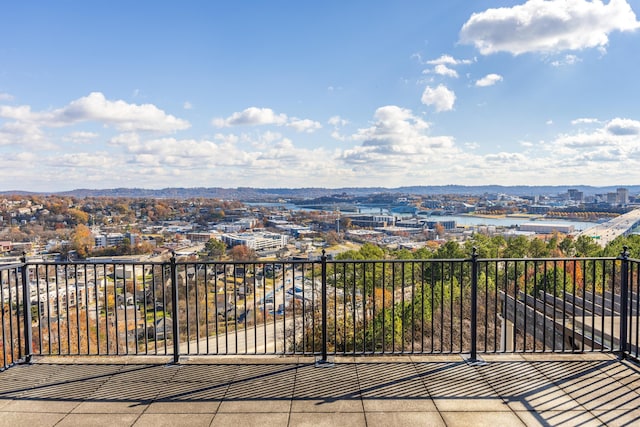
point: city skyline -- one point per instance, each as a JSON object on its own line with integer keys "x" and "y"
{"x": 363, "y": 94}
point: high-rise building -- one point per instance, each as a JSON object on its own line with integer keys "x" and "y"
{"x": 622, "y": 196}
{"x": 575, "y": 195}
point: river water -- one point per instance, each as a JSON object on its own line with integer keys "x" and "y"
{"x": 509, "y": 221}
{"x": 463, "y": 220}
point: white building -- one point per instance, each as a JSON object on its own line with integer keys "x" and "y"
{"x": 256, "y": 241}
{"x": 546, "y": 228}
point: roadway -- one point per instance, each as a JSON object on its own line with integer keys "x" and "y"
{"x": 604, "y": 233}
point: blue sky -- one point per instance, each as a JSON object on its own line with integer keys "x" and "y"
{"x": 156, "y": 94}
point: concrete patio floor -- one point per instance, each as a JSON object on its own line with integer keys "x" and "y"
{"x": 509, "y": 390}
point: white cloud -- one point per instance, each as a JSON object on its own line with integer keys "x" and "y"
{"x": 585, "y": 120}
{"x": 396, "y": 140}
{"x": 489, "y": 80}
{"x": 548, "y": 26}
{"x": 91, "y": 161}
{"x": 623, "y": 127}
{"x": 505, "y": 159}
{"x": 443, "y": 70}
{"x": 19, "y": 113}
{"x": 440, "y": 97}
{"x": 125, "y": 139}
{"x": 448, "y": 60}
{"x": 23, "y": 134}
{"x": 187, "y": 105}
{"x": 6, "y": 97}
{"x": 443, "y": 66}
{"x": 304, "y": 125}
{"x": 25, "y": 127}
{"x": 617, "y": 140}
{"x": 81, "y": 137}
{"x": 254, "y": 116}
{"x": 567, "y": 60}
{"x": 337, "y": 121}
{"x": 120, "y": 114}
{"x": 95, "y": 107}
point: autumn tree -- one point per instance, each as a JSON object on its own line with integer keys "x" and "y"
{"x": 242, "y": 253}
{"x": 77, "y": 216}
{"x": 332, "y": 238}
{"x": 215, "y": 248}
{"x": 345, "y": 223}
{"x": 82, "y": 240}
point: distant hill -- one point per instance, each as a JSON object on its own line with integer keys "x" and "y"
{"x": 249, "y": 194}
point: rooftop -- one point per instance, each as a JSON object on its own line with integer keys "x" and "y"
{"x": 437, "y": 390}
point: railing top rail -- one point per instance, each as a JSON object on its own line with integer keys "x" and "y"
{"x": 468, "y": 259}
{"x": 84, "y": 262}
{"x": 552, "y": 259}
{"x": 315, "y": 261}
{"x": 4, "y": 267}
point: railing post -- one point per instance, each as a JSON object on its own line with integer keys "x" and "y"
{"x": 323, "y": 362}
{"x": 323, "y": 259}
{"x": 474, "y": 305}
{"x": 26, "y": 305}
{"x": 174, "y": 306}
{"x": 472, "y": 358}
{"x": 624, "y": 300}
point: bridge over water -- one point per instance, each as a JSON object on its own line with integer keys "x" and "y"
{"x": 607, "y": 231}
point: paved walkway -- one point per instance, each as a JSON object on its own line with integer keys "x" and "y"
{"x": 509, "y": 390}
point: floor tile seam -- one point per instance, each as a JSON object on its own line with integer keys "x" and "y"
{"x": 604, "y": 412}
{"x": 318, "y": 412}
{"x": 477, "y": 377}
{"x": 360, "y": 393}
{"x": 618, "y": 377}
{"x": 490, "y": 382}
{"x": 416, "y": 374}
{"x": 566, "y": 388}
{"x": 92, "y": 399}
{"x": 616, "y": 383}
{"x": 605, "y": 406}
{"x": 519, "y": 413}
{"x": 579, "y": 406}
{"x": 147, "y": 406}
{"x": 423, "y": 378}
{"x": 596, "y": 417}
{"x": 293, "y": 393}
{"x": 552, "y": 380}
{"x": 86, "y": 414}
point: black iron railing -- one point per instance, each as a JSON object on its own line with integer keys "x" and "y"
{"x": 321, "y": 307}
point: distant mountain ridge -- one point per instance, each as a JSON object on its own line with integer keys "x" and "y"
{"x": 265, "y": 194}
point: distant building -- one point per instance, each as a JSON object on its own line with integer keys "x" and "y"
{"x": 546, "y": 228}
{"x": 447, "y": 225}
{"x": 538, "y": 209}
{"x": 372, "y": 221}
{"x": 575, "y": 195}
{"x": 200, "y": 237}
{"x": 5, "y": 246}
{"x": 622, "y": 196}
{"x": 410, "y": 223}
{"x": 115, "y": 239}
{"x": 256, "y": 241}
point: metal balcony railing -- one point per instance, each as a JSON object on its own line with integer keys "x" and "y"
{"x": 320, "y": 308}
